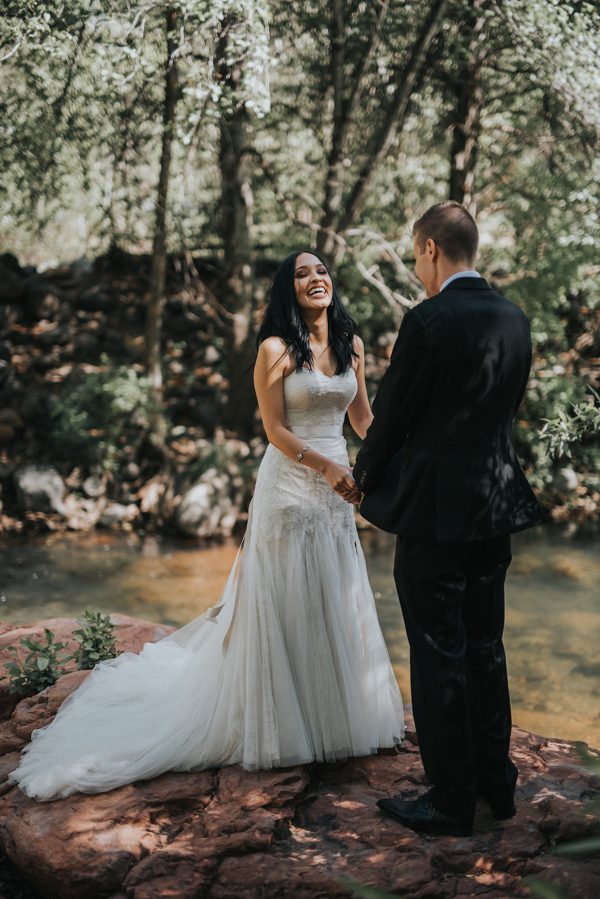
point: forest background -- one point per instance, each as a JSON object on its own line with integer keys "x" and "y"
{"x": 159, "y": 159}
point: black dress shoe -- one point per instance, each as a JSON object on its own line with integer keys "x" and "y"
{"x": 501, "y": 809}
{"x": 421, "y": 815}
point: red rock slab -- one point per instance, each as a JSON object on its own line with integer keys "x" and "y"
{"x": 37, "y": 711}
{"x": 85, "y": 846}
{"x": 296, "y": 833}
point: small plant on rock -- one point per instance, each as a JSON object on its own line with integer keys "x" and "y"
{"x": 96, "y": 639}
{"x": 40, "y": 668}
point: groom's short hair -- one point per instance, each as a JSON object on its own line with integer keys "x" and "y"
{"x": 453, "y": 229}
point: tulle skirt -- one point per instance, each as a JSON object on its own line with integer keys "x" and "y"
{"x": 289, "y": 667}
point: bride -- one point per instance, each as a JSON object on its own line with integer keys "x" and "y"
{"x": 290, "y": 666}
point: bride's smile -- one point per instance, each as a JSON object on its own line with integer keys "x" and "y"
{"x": 312, "y": 284}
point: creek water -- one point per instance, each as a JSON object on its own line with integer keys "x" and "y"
{"x": 552, "y": 623}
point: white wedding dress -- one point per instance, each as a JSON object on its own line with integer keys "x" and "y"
{"x": 289, "y": 667}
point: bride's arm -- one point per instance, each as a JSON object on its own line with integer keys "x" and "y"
{"x": 359, "y": 411}
{"x": 273, "y": 363}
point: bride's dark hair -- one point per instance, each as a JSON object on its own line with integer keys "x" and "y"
{"x": 283, "y": 319}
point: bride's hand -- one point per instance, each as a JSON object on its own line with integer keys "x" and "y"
{"x": 354, "y": 497}
{"x": 339, "y": 478}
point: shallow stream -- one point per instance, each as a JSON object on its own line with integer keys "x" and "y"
{"x": 552, "y": 624}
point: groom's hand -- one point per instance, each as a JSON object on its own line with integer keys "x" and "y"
{"x": 351, "y": 495}
{"x": 355, "y": 497}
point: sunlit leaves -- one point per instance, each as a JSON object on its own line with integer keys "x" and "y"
{"x": 561, "y": 42}
{"x": 81, "y": 105}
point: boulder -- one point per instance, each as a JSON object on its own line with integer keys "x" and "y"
{"x": 207, "y": 509}
{"x": 10, "y": 425}
{"x": 115, "y": 514}
{"x": 41, "y": 300}
{"x": 132, "y": 471}
{"x": 95, "y": 299}
{"x": 82, "y": 513}
{"x": 567, "y": 479}
{"x": 211, "y": 355}
{"x": 6, "y": 369}
{"x": 58, "y": 335}
{"x": 86, "y": 345}
{"x": 11, "y": 417}
{"x": 40, "y": 488}
{"x": 95, "y": 485}
{"x": 35, "y": 408}
{"x": 298, "y": 833}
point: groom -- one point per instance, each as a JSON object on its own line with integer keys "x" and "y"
{"x": 438, "y": 469}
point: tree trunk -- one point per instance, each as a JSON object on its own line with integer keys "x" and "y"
{"x": 337, "y": 220}
{"x": 159, "y": 245}
{"x": 333, "y": 180}
{"x": 346, "y": 95}
{"x": 468, "y": 90}
{"x": 237, "y": 283}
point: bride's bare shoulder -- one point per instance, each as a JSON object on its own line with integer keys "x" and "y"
{"x": 272, "y": 345}
{"x": 273, "y": 353}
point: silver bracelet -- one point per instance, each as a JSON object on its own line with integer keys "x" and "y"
{"x": 300, "y": 455}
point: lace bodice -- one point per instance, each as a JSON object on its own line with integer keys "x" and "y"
{"x": 315, "y": 404}
{"x": 290, "y": 496}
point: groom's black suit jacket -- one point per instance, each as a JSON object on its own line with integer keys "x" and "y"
{"x": 438, "y": 460}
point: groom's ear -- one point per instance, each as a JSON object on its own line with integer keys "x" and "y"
{"x": 431, "y": 248}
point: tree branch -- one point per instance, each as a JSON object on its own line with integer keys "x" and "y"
{"x": 383, "y": 138}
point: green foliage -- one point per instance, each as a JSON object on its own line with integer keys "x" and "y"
{"x": 40, "y": 668}
{"x": 96, "y": 640}
{"x": 571, "y": 428}
{"x": 69, "y": 66}
{"x": 363, "y": 891}
{"x": 543, "y": 430}
{"x": 545, "y": 890}
{"x": 46, "y": 662}
{"x": 96, "y": 414}
{"x": 589, "y": 846}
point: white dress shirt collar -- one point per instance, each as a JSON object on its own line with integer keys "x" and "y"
{"x": 468, "y": 273}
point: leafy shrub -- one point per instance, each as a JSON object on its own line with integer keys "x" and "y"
{"x": 96, "y": 640}
{"x": 95, "y": 415}
{"x": 44, "y": 665}
{"x": 551, "y": 393}
{"x": 568, "y": 429}
{"x": 39, "y": 669}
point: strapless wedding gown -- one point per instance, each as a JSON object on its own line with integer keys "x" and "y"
{"x": 290, "y": 666}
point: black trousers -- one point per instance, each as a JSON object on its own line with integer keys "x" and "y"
{"x": 452, "y": 599}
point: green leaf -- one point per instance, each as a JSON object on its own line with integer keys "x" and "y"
{"x": 590, "y": 760}
{"x": 367, "y": 892}
{"x": 43, "y": 662}
{"x": 588, "y": 846}
{"x": 545, "y": 890}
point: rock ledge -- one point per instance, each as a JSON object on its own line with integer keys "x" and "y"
{"x": 294, "y": 833}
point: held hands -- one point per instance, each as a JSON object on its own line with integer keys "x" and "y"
{"x": 340, "y": 479}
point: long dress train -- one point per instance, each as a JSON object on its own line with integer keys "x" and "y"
{"x": 290, "y": 666}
